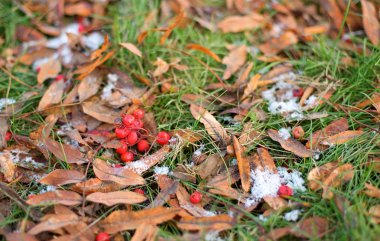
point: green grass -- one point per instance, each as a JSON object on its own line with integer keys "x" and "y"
{"x": 320, "y": 58}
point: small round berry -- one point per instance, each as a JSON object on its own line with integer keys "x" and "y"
{"x": 121, "y": 132}
{"x": 117, "y": 165}
{"x": 122, "y": 149}
{"x": 298, "y": 132}
{"x": 163, "y": 138}
{"x": 128, "y": 120}
{"x": 138, "y": 114}
{"x": 81, "y": 27}
{"x": 127, "y": 157}
{"x": 132, "y": 138}
{"x": 143, "y": 146}
{"x": 38, "y": 69}
{"x": 8, "y": 136}
{"x": 285, "y": 191}
{"x": 137, "y": 124}
{"x": 60, "y": 77}
{"x": 139, "y": 191}
{"x": 195, "y": 197}
{"x": 103, "y": 236}
{"x": 297, "y": 92}
{"x": 30, "y": 196}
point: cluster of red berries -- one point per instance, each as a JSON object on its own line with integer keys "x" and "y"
{"x": 130, "y": 133}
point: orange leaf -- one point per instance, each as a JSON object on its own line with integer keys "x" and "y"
{"x": 113, "y": 198}
{"x": 183, "y": 198}
{"x": 251, "y": 86}
{"x": 67, "y": 198}
{"x": 53, "y": 95}
{"x": 177, "y": 20}
{"x": 96, "y": 185}
{"x": 290, "y": 144}
{"x": 62, "y": 177}
{"x": 275, "y": 45}
{"x": 234, "y": 60}
{"x": 204, "y": 50}
{"x": 235, "y": 24}
{"x": 83, "y": 9}
{"x": 17, "y": 236}
{"x": 7, "y": 167}
{"x": 217, "y": 223}
{"x": 243, "y": 165}
{"x": 318, "y": 174}
{"x": 370, "y": 22}
{"x": 340, "y": 175}
{"x": 341, "y": 138}
{"x": 100, "y": 112}
{"x": 54, "y": 221}
{"x": 50, "y": 69}
{"x": 372, "y": 191}
{"x": 132, "y": 48}
{"x": 64, "y": 152}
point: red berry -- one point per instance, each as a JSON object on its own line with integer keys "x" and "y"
{"x": 195, "y": 198}
{"x": 128, "y": 120}
{"x": 122, "y": 149}
{"x": 139, "y": 191}
{"x": 103, "y": 236}
{"x": 132, "y": 138}
{"x": 38, "y": 69}
{"x": 60, "y": 77}
{"x": 138, "y": 114}
{"x": 137, "y": 124}
{"x": 285, "y": 191}
{"x": 143, "y": 146}
{"x": 8, "y": 136}
{"x": 31, "y": 196}
{"x": 163, "y": 138}
{"x": 117, "y": 165}
{"x": 298, "y": 92}
{"x": 127, "y": 157}
{"x": 81, "y": 27}
{"x": 121, "y": 132}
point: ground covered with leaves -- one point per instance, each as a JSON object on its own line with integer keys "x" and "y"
{"x": 189, "y": 120}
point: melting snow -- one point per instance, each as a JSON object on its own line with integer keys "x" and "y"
{"x": 292, "y": 215}
{"x": 111, "y": 85}
{"x": 198, "y": 152}
{"x": 62, "y": 39}
{"x": 6, "y": 101}
{"x": 137, "y": 166}
{"x": 284, "y": 133}
{"x": 47, "y": 188}
{"x": 93, "y": 40}
{"x": 213, "y": 236}
{"x": 161, "y": 170}
{"x": 293, "y": 179}
{"x": 311, "y": 100}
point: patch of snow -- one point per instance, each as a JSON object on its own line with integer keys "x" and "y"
{"x": 47, "y": 188}
{"x": 63, "y": 39}
{"x": 138, "y": 166}
{"x": 6, "y": 101}
{"x": 161, "y": 170}
{"x": 111, "y": 85}
{"x": 263, "y": 218}
{"x": 213, "y": 236}
{"x": 292, "y": 179}
{"x": 284, "y": 133}
{"x": 234, "y": 162}
{"x": 312, "y": 100}
{"x": 93, "y": 40}
{"x": 317, "y": 154}
{"x": 198, "y": 152}
{"x": 66, "y": 54}
{"x": 292, "y": 215}
{"x": 26, "y": 161}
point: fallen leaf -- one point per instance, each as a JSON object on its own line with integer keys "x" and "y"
{"x": 50, "y": 69}
{"x": 145, "y": 232}
{"x": 100, "y": 112}
{"x": 339, "y": 175}
{"x": 235, "y": 24}
{"x": 132, "y": 48}
{"x": 251, "y": 86}
{"x": 162, "y": 67}
{"x": 7, "y": 167}
{"x": 52, "y": 96}
{"x": 54, "y": 221}
{"x": 371, "y": 190}
{"x": 374, "y": 213}
{"x": 89, "y": 86}
{"x": 234, "y": 60}
{"x": 113, "y": 198}
{"x": 204, "y": 50}
{"x": 243, "y": 165}
{"x": 63, "y": 197}
{"x": 217, "y": 223}
{"x": 290, "y": 144}
{"x": 221, "y": 184}
{"x": 373, "y": 99}
{"x": 176, "y": 22}
{"x": 332, "y": 9}
{"x": 277, "y": 203}
{"x": 213, "y": 127}
{"x": 122, "y": 176}
{"x": 30, "y": 57}
{"x": 210, "y": 166}
{"x": 17, "y": 236}
{"x": 129, "y": 220}
{"x": 266, "y": 161}
{"x": 311, "y": 228}
{"x": 83, "y": 9}
{"x": 26, "y": 34}
{"x": 341, "y": 138}
{"x": 62, "y": 177}
{"x": 164, "y": 196}
{"x": 370, "y": 22}
{"x": 318, "y": 174}
{"x": 184, "y": 201}
{"x": 96, "y": 185}
{"x": 275, "y": 45}
{"x": 64, "y": 152}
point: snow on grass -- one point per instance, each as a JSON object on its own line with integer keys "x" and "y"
{"x": 292, "y": 215}
{"x": 111, "y": 85}
{"x": 292, "y": 178}
{"x": 6, "y": 101}
{"x": 20, "y": 158}
{"x": 213, "y": 236}
{"x": 93, "y": 40}
{"x": 161, "y": 170}
{"x": 284, "y": 133}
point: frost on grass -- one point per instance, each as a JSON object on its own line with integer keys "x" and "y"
{"x": 111, "y": 85}
{"x": 292, "y": 215}
{"x": 284, "y": 133}
{"x": 161, "y": 170}
{"x": 213, "y": 236}
{"x": 21, "y": 158}
{"x": 6, "y": 101}
{"x": 292, "y": 178}
{"x": 137, "y": 166}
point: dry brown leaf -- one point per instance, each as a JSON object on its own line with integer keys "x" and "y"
{"x": 290, "y": 144}
{"x": 53, "y": 95}
{"x": 88, "y": 68}
{"x": 243, "y": 165}
{"x": 89, "y": 86}
{"x": 374, "y": 213}
{"x": 370, "y": 22}
{"x": 176, "y": 22}
{"x": 213, "y": 127}
{"x": 318, "y": 174}
{"x": 311, "y": 228}
{"x": 162, "y": 67}
{"x": 265, "y": 160}
{"x": 50, "y": 69}
{"x": 210, "y": 166}
{"x": 188, "y": 135}
{"x": 276, "y": 45}
{"x": 276, "y": 203}
{"x": 17, "y": 236}
{"x": 113, "y": 198}
{"x": 168, "y": 187}
{"x": 371, "y": 190}
{"x": 338, "y": 176}
{"x": 3, "y": 131}
{"x": 248, "y": 134}
{"x": 204, "y": 50}
{"x": 374, "y": 99}
{"x": 63, "y": 197}
{"x": 96, "y": 185}
{"x": 132, "y": 48}
{"x": 217, "y": 223}
{"x": 129, "y": 220}
{"x": 235, "y": 24}
{"x": 276, "y": 234}
{"x": 54, "y": 221}
{"x": 306, "y": 94}
{"x": 332, "y": 9}
{"x": 145, "y": 232}
{"x": 29, "y": 58}
{"x": 64, "y": 152}
{"x": 7, "y": 167}
{"x": 234, "y": 60}
{"x": 83, "y": 9}
{"x": 100, "y": 112}
{"x": 119, "y": 175}
{"x": 184, "y": 201}
{"x": 341, "y": 138}
{"x": 62, "y": 177}
{"x": 251, "y": 86}
{"x": 221, "y": 184}
{"x": 26, "y": 34}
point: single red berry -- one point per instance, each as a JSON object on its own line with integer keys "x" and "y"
{"x": 103, "y": 236}
{"x": 195, "y": 197}
{"x": 163, "y": 138}
{"x": 121, "y": 132}
{"x": 139, "y": 191}
{"x": 122, "y": 149}
{"x": 31, "y": 196}
{"x": 143, "y": 146}
{"x": 128, "y": 120}
{"x": 138, "y": 114}
{"x": 81, "y": 27}
{"x": 8, "y": 136}
{"x": 38, "y": 69}
{"x": 132, "y": 138}
{"x": 117, "y": 165}
{"x": 60, "y": 77}
{"x": 127, "y": 157}
{"x": 297, "y": 92}
{"x": 137, "y": 124}
{"x": 285, "y": 191}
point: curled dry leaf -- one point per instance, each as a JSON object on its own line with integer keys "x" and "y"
{"x": 204, "y": 50}
{"x": 184, "y": 201}
{"x": 122, "y": 176}
{"x": 132, "y": 48}
{"x": 100, "y": 112}
{"x": 210, "y": 166}
{"x": 50, "y": 69}
{"x": 53, "y": 95}
{"x": 234, "y": 60}
{"x": 113, "y": 198}
{"x": 54, "y": 221}
{"x": 129, "y": 220}
{"x": 341, "y": 138}
{"x": 62, "y": 177}
{"x": 67, "y": 198}
{"x": 7, "y": 167}
{"x": 169, "y": 189}
{"x": 162, "y": 67}
{"x": 318, "y": 174}
{"x": 370, "y": 22}
{"x": 243, "y": 165}
{"x": 371, "y": 191}
{"x": 235, "y": 24}
{"x": 251, "y": 86}
{"x": 96, "y": 185}
{"x": 290, "y": 144}
{"x": 213, "y": 127}
{"x": 216, "y": 223}
{"x": 337, "y": 177}
{"x": 374, "y": 213}
{"x": 221, "y": 184}
{"x": 89, "y": 86}
{"x": 145, "y": 232}
{"x": 176, "y": 22}
{"x": 276, "y": 45}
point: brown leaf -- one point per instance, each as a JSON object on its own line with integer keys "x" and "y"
{"x": 96, "y": 185}
{"x": 119, "y": 175}
{"x": 373, "y": 99}
{"x": 7, "y": 167}
{"x": 374, "y": 213}
{"x": 332, "y": 9}
{"x": 243, "y": 165}
{"x": 88, "y": 68}
{"x": 53, "y": 95}
{"x": 213, "y": 127}
{"x": 217, "y": 223}
{"x": 371, "y": 190}
{"x": 89, "y": 86}
{"x": 63, "y": 197}
{"x": 234, "y": 60}
{"x": 83, "y": 9}
{"x": 177, "y": 21}
{"x": 113, "y": 198}
{"x": 318, "y": 174}
{"x": 54, "y": 221}
{"x": 311, "y": 228}
{"x": 235, "y": 24}
{"x": 290, "y": 144}
{"x": 100, "y": 112}
{"x": 16, "y": 236}
{"x": 204, "y": 50}
{"x": 341, "y": 138}
{"x": 62, "y": 177}
{"x": 3, "y": 131}
{"x": 132, "y": 48}
{"x": 26, "y": 34}
{"x": 145, "y": 232}
{"x": 130, "y": 220}
{"x": 276, "y": 45}
{"x": 265, "y": 160}
{"x": 162, "y": 67}
{"x": 184, "y": 200}
{"x": 50, "y": 69}
{"x": 64, "y": 152}
{"x": 188, "y": 135}
{"x": 251, "y": 86}
{"x": 164, "y": 196}
{"x": 276, "y": 203}
{"x": 29, "y": 58}
{"x": 221, "y": 184}
{"x": 276, "y": 234}
{"x": 210, "y": 166}
{"x": 370, "y": 22}
{"x": 340, "y": 175}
